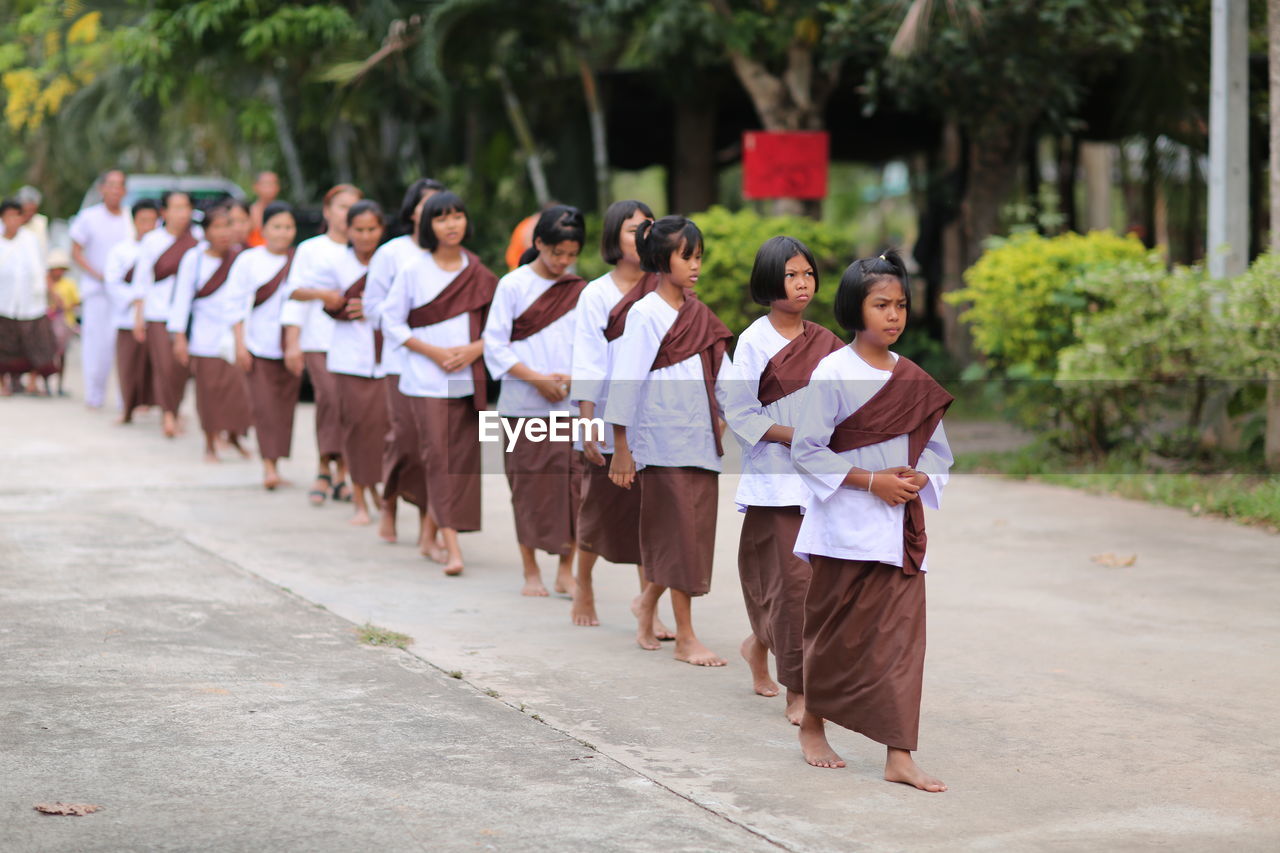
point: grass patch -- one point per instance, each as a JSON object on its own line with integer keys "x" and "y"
{"x": 1247, "y": 498}
{"x": 491, "y": 693}
{"x": 454, "y": 673}
{"x": 374, "y": 636}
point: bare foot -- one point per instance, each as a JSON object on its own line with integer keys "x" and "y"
{"x": 565, "y": 584}
{"x": 435, "y": 553}
{"x": 211, "y": 457}
{"x": 899, "y": 766}
{"x": 387, "y": 524}
{"x": 271, "y": 482}
{"x": 534, "y": 587}
{"x": 361, "y": 519}
{"x": 757, "y": 657}
{"x": 123, "y": 420}
{"x": 697, "y": 654}
{"x": 584, "y": 606}
{"x": 243, "y": 451}
{"x": 813, "y": 743}
{"x": 657, "y": 629}
{"x": 795, "y": 707}
{"x": 645, "y": 638}
{"x": 454, "y": 567}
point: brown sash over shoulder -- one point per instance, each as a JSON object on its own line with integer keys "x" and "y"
{"x": 911, "y": 403}
{"x": 270, "y": 287}
{"x": 219, "y": 276}
{"x": 554, "y": 302}
{"x": 128, "y": 277}
{"x": 470, "y": 292}
{"x": 697, "y": 331}
{"x": 167, "y": 264}
{"x": 790, "y": 368}
{"x": 355, "y": 291}
{"x": 618, "y": 313}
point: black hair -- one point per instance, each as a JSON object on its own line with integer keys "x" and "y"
{"x": 857, "y": 281}
{"x": 275, "y": 209}
{"x": 233, "y": 203}
{"x": 611, "y": 236}
{"x": 169, "y": 195}
{"x": 414, "y": 194}
{"x": 438, "y": 205}
{"x": 363, "y": 206}
{"x": 10, "y": 204}
{"x": 655, "y": 241}
{"x": 769, "y": 273}
{"x": 217, "y": 209}
{"x": 144, "y": 204}
{"x": 557, "y": 224}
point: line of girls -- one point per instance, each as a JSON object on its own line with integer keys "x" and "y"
{"x": 842, "y": 444}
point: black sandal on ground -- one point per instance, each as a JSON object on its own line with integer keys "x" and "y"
{"x": 319, "y": 496}
{"x": 342, "y": 492}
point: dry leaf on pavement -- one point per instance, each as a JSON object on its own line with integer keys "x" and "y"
{"x": 77, "y": 809}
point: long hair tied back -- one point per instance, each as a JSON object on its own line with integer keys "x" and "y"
{"x": 557, "y": 225}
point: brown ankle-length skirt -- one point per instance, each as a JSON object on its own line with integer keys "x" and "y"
{"x": 864, "y": 648}
{"x": 168, "y": 378}
{"x": 362, "y": 412}
{"x": 273, "y": 395}
{"x": 402, "y": 473}
{"x": 328, "y": 420}
{"x": 222, "y": 396}
{"x": 774, "y": 583}
{"x": 678, "y": 526}
{"x": 133, "y": 371}
{"x": 609, "y": 515}
{"x": 546, "y": 488}
{"x": 27, "y": 345}
{"x": 450, "y": 432}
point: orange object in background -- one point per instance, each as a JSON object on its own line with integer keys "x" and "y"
{"x": 521, "y": 239}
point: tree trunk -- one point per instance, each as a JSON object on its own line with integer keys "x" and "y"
{"x": 1096, "y": 158}
{"x": 691, "y": 185}
{"x": 599, "y": 143}
{"x": 1068, "y": 162}
{"x": 1272, "y": 442}
{"x": 284, "y": 136}
{"x": 515, "y": 113}
{"x": 1031, "y": 164}
{"x": 1150, "y": 188}
{"x": 955, "y": 337}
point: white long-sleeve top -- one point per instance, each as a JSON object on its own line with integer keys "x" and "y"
{"x": 23, "y": 294}
{"x": 97, "y": 231}
{"x": 213, "y": 317}
{"x": 158, "y": 295}
{"x": 593, "y": 356}
{"x": 390, "y": 258}
{"x": 417, "y": 283}
{"x": 122, "y": 294}
{"x": 252, "y": 269}
{"x": 768, "y": 477}
{"x": 665, "y": 411}
{"x": 842, "y": 522}
{"x": 310, "y": 262}
{"x": 548, "y": 351}
{"x": 351, "y": 350}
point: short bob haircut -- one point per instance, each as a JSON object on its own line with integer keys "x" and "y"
{"x": 170, "y": 195}
{"x": 414, "y": 194}
{"x": 611, "y": 236}
{"x": 657, "y": 241}
{"x": 144, "y": 204}
{"x": 218, "y": 209}
{"x": 560, "y": 223}
{"x": 438, "y": 205}
{"x": 363, "y": 206}
{"x": 857, "y": 281}
{"x": 9, "y": 204}
{"x": 277, "y": 208}
{"x": 769, "y": 273}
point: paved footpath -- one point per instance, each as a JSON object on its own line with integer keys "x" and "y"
{"x": 177, "y": 646}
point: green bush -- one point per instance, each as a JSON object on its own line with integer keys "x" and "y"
{"x": 1023, "y": 296}
{"x": 1253, "y": 313}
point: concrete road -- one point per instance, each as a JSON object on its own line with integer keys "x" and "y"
{"x": 177, "y": 646}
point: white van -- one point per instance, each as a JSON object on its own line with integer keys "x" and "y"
{"x": 203, "y": 189}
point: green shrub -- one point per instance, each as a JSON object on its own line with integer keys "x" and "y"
{"x": 1023, "y": 297}
{"x": 1252, "y": 311}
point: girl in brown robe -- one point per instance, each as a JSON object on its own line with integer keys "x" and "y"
{"x": 870, "y": 446}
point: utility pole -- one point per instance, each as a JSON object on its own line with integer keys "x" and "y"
{"x": 1228, "y": 243}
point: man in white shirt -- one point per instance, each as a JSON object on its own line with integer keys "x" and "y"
{"x": 94, "y": 233}
{"x": 32, "y": 219}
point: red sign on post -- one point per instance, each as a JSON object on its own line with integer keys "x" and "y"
{"x": 785, "y": 164}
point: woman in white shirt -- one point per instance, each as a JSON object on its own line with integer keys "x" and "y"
{"x": 258, "y": 276}
{"x": 26, "y": 336}
{"x": 203, "y": 321}
{"x": 863, "y": 529}
{"x": 435, "y": 311}
{"x": 133, "y": 369}
{"x": 608, "y": 516}
{"x": 355, "y": 351}
{"x": 764, "y": 393}
{"x": 402, "y": 472}
{"x": 308, "y": 331}
{"x": 662, "y": 403}
{"x": 528, "y": 344}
